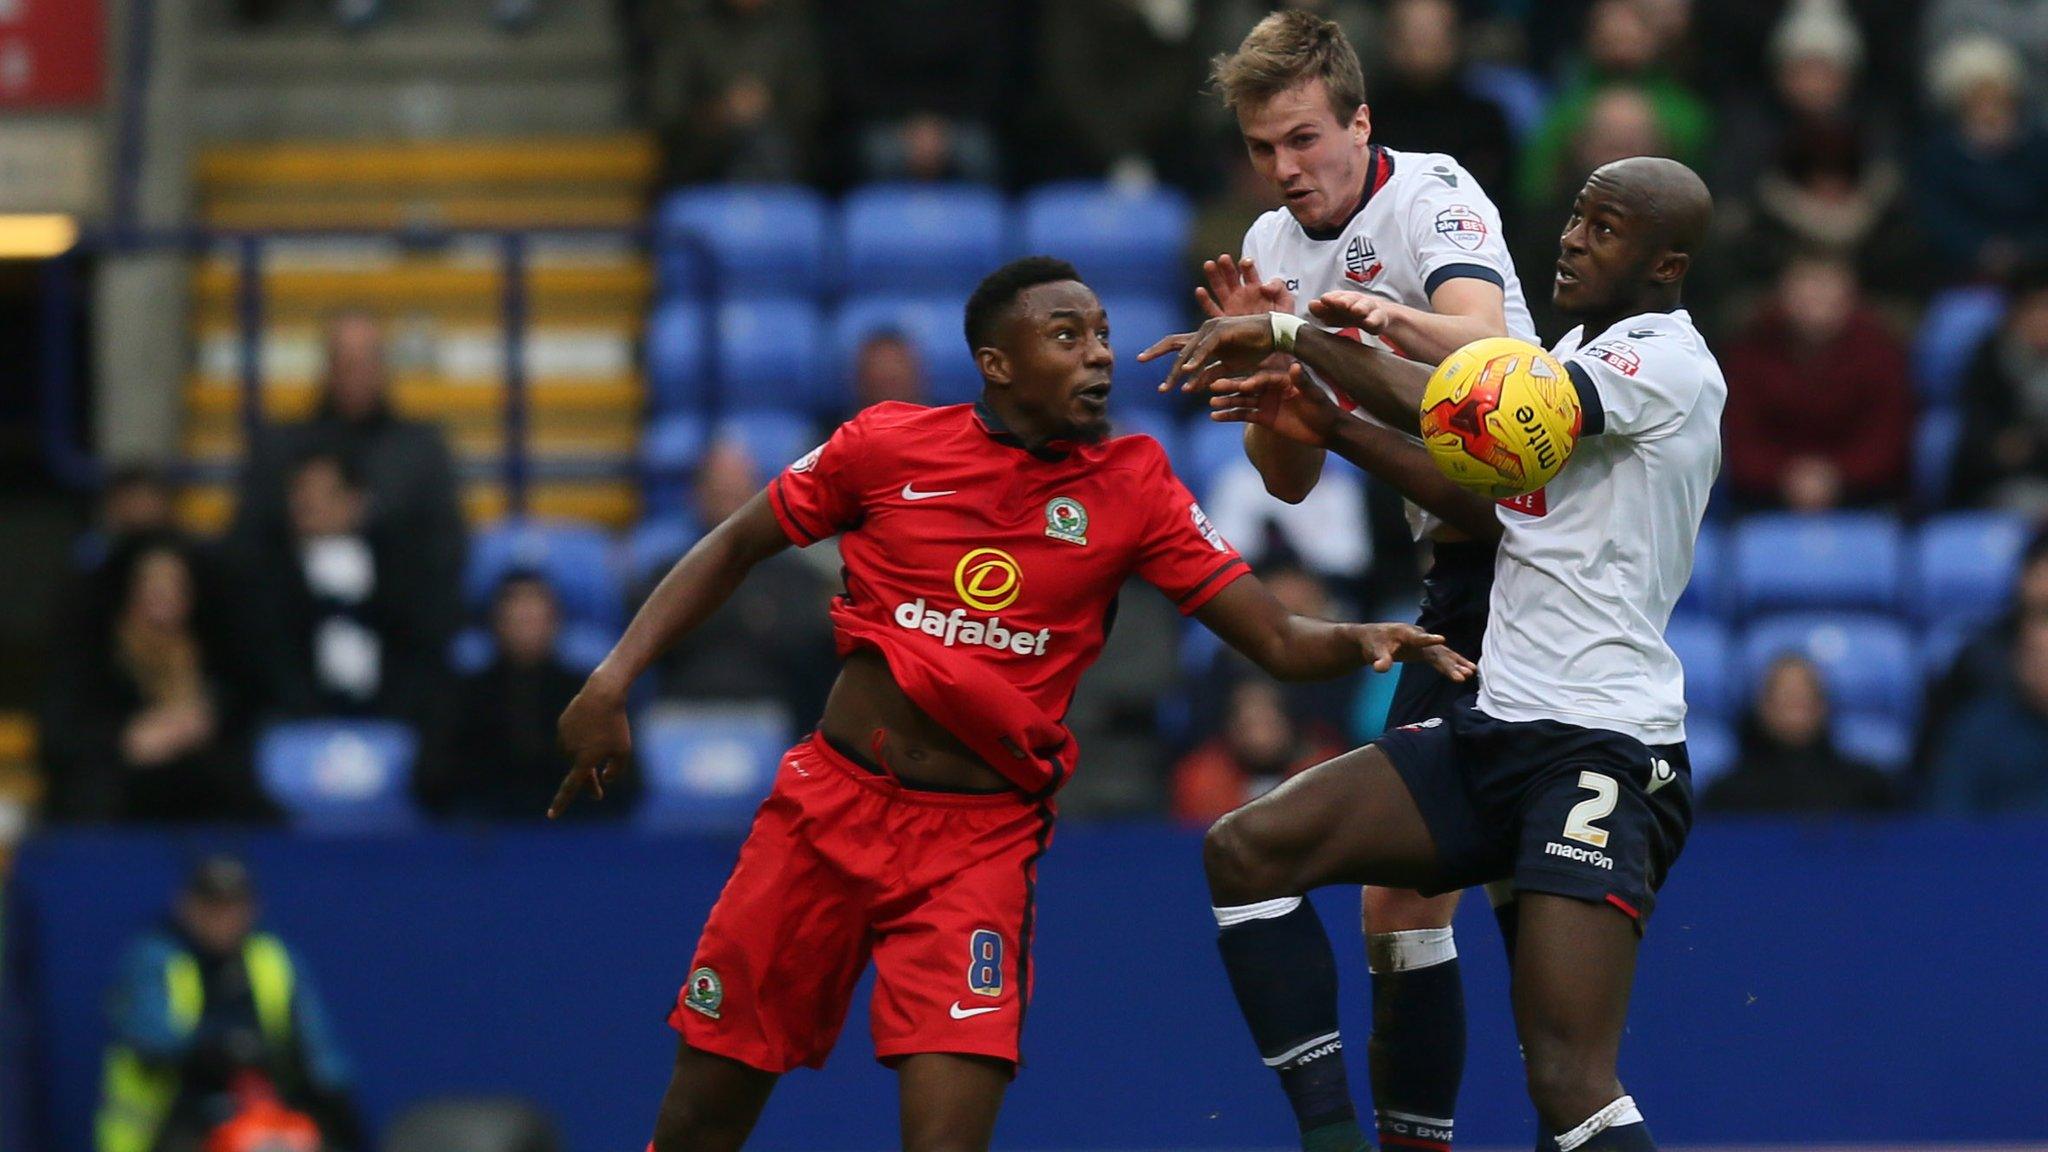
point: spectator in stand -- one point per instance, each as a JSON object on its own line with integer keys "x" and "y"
{"x": 1789, "y": 762}
{"x": 413, "y": 505}
{"x": 887, "y": 367}
{"x": 1820, "y": 410}
{"x": 2005, "y": 408}
{"x": 1993, "y": 757}
{"x": 341, "y": 638}
{"x": 1982, "y": 666}
{"x": 205, "y": 1003}
{"x": 1259, "y": 746}
{"x": 1323, "y": 706}
{"x": 1623, "y": 49}
{"x": 137, "y": 500}
{"x": 924, "y": 83}
{"x": 1982, "y": 176}
{"x": 737, "y": 91}
{"x": 1420, "y": 101}
{"x": 776, "y": 618}
{"x": 1810, "y": 163}
{"x": 1113, "y": 78}
{"x": 2023, "y": 24}
{"x": 144, "y": 718}
{"x": 495, "y": 756}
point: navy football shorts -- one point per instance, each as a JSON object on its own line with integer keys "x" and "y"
{"x": 1549, "y": 806}
{"x": 1455, "y": 593}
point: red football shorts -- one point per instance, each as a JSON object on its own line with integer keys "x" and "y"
{"x": 844, "y": 864}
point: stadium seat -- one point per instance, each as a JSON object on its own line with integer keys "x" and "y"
{"x": 1712, "y": 748}
{"x": 923, "y": 238}
{"x": 1942, "y": 642}
{"x": 340, "y": 775}
{"x": 1935, "y": 440}
{"x": 1833, "y": 560}
{"x": 1706, "y": 594}
{"x": 1867, "y": 660}
{"x": 705, "y": 767}
{"x": 771, "y": 356}
{"x": 1965, "y": 564}
{"x": 1153, "y": 422}
{"x": 1956, "y": 322}
{"x": 774, "y": 440}
{"x": 766, "y": 238}
{"x": 678, "y": 375}
{"x": 580, "y": 646}
{"x": 1136, "y": 323}
{"x": 1710, "y": 685}
{"x": 1121, "y": 241}
{"x": 932, "y": 323}
{"x": 572, "y": 556}
{"x": 1207, "y": 448}
{"x": 1881, "y": 740}
{"x": 650, "y": 548}
{"x": 670, "y": 447}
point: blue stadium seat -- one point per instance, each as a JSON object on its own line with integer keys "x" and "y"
{"x": 651, "y": 548}
{"x": 1936, "y": 437}
{"x": 1879, "y": 739}
{"x": 678, "y": 378}
{"x": 1836, "y": 560}
{"x": 1965, "y": 565}
{"x": 1520, "y": 94}
{"x": 1956, "y": 322}
{"x": 1153, "y": 422}
{"x": 580, "y": 645}
{"x": 706, "y": 767}
{"x": 775, "y": 440}
{"x": 1711, "y": 747}
{"x": 1942, "y": 642}
{"x": 1703, "y": 648}
{"x": 766, "y": 238}
{"x": 573, "y": 556}
{"x": 923, "y": 238}
{"x": 1136, "y": 323}
{"x": 932, "y": 323}
{"x": 670, "y": 447}
{"x": 1121, "y": 241}
{"x": 1867, "y": 660}
{"x": 1707, "y": 593}
{"x": 340, "y": 775}
{"x": 1207, "y": 448}
{"x": 772, "y": 355}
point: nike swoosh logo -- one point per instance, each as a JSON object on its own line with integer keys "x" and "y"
{"x": 960, "y": 1013}
{"x": 910, "y": 493}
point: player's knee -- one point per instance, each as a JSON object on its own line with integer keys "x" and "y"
{"x": 1567, "y": 1085}
{"x": 1404, "y": 910}
{"x": 686, "y": 1125}
{"x": 1240, "y": 867}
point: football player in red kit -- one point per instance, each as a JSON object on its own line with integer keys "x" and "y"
{"x": 983, "y": 547}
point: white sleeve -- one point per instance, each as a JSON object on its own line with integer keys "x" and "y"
{"x": 1453, "y": 228}
{"x": 1639, "y": 380}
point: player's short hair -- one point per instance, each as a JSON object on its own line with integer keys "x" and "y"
{"x": 1000, "y": 288}
{"x": 1287, "y": 48}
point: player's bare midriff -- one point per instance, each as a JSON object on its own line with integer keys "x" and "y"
{"x": 920, "y": 752}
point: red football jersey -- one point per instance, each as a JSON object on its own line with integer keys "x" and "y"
{"x": 984, "y": 572}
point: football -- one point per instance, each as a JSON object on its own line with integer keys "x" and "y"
{"x": 1500, "y": 417}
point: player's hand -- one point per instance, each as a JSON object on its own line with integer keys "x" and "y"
{"x": 595, "y": 734}
{"x": 1385, "y": 644}
{"x": 1234, "y": 290}
{"x": 1223, "y": 346}
{"x": 1281, "y": 399}
{"x": 1361, "y": 310}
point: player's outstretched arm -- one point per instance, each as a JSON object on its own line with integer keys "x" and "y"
{"x": 1287, "y": 406}
{"x": 1295, "y": 647}
{"x": 593, "y": 728}
{"x": 1234, "y": 346}
{"x": 1460, "y": 311}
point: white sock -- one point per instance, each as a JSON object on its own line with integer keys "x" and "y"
{"x": 1407, "y": 951}
{"x": 1263, "y": 910}
{"x": 1621, "y": 1111}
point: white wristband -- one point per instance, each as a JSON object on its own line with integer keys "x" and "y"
{"x": 1284, "y": 328}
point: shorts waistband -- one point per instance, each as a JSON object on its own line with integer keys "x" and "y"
{"x": 869, "y": 774}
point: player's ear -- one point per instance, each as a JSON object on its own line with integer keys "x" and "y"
{"x": 994, "y": 364}
{"x": 1671, "y": 267}
{"x": 1361, "y": 123}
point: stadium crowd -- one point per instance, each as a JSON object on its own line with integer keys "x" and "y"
{"x": 1876, "y": 289}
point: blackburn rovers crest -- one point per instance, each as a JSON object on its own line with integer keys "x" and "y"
{"x": 1065, "y": 519}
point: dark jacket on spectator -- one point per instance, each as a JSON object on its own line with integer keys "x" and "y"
{"x": 2003, "y": 395}
{"x": 704, "y": 49}
{"x": 1993, "y": 757}
{"x": 897, "y": 58}
{"x": 1449, "y": 119}
{"x": 1969, "y": 199}
{"x": 777, "y": 618}
{"x": 495, "y": 755}
{"x": 1847, "y": 401}
{"x": 1776, "y": 777}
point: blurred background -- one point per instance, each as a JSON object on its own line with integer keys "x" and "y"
{"x": 366, "y": 361}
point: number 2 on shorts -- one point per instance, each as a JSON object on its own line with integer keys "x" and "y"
{"x": 1578, "y": 823}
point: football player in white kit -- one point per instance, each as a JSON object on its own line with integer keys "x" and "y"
{"x": 1567, "y": 776}
{"x": 1414, "y": 232}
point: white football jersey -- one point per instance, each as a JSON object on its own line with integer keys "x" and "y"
{"x": 1425, "y": 220}
{"x": 1591, "y": 564}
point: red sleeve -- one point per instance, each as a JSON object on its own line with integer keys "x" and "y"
{"x": 1183, "y": 555}
{"x": 819, "y": 495}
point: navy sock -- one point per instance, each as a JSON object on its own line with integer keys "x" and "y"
{"x": 1417, "y": 1050}
{"x": 1285, "y": 978}
{"x": 1618, "y": 1127}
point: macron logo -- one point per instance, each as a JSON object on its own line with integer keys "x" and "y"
{"x": 910, "y": 493}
